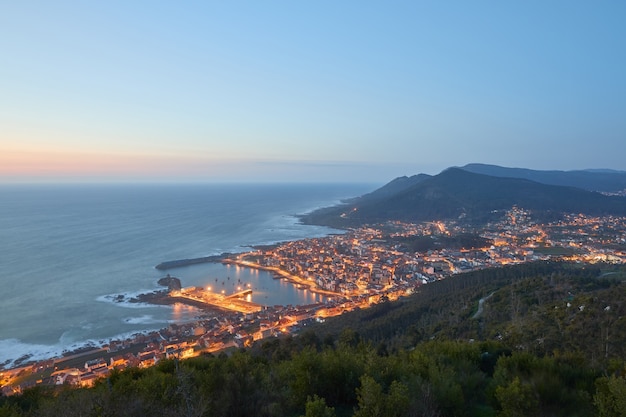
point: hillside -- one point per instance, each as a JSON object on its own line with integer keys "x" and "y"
{"x": 393, "y": 187}
{"x": 590, "y": 180}
{"x": 547, "y": 339}
{"x": 542, "y": 307}
{"x": 456, "y": 193}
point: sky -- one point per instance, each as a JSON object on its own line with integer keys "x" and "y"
{"x": 312, "y": 91}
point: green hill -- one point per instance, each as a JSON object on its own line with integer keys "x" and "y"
{"x": 547, "y": 339}
{"x": 459, "y": 194}
{"x": 542, "y": 307}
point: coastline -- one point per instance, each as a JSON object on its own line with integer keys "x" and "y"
{"x": 280, "y": 274}
{"x": 90, "y": 348}
{"x": 163, "y": 297}
{"x": 34, "y": 352}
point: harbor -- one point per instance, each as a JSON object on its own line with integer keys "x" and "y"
{"x": 239, "y": 301}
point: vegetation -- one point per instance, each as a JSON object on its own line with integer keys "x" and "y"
{"x": 547, "y": 340}
{"x": 421, "y": 243}
{"x": 459, "y": 194}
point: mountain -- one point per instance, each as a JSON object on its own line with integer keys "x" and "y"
{"x": 395, "y": 186}
{"x": 610, "y": 181}
{"x": 457, "y": 193}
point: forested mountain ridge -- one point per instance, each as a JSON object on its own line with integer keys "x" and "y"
{"x": 544, "y": 343}
{"x": 393, "y": 187}
{"x": 591, "y": 180}
{"x": 459, "y": 194}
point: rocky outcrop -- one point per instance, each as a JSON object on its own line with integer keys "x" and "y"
{"x": 172, "y": 283}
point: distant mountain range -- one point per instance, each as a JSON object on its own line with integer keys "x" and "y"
{"x": 603, "y": 180}
{"x": 465, "y": 193}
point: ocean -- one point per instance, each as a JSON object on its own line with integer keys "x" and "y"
{"x": 66, "y": 251}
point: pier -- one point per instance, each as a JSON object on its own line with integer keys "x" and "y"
{"x": 240, "y": 294}
{"x": 232, "y": 302}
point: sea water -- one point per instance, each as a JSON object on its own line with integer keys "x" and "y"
{"x": 66, "y": 252}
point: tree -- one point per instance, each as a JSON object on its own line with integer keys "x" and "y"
{"x": 397, "y": 402}
{"x": 516, "y": 399}
{"x": 9, "y": 410}
{"x": 316, "y": 407}
{"x": 370, "y": 397}
{"x": 610, "y": 398}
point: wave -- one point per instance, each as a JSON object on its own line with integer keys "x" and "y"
{"x": 233, "y": 249}
{"x": 286, "y": 228}
{"x": 331, "y": 203}
{"x": 13, "y": 352}
{"x": 145, "y": 319}
{"x": 126, "y": 299}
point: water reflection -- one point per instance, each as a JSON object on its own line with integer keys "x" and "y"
{"x": 229, "y": 279}
{"x": 182, "y": 312}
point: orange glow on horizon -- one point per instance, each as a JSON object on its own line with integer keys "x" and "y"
{"x": 83, "y": 163}
{"x": 60, "y": 163}
{"x": 50, "y": 162}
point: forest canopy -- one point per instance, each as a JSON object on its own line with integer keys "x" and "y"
{"x": 542, "y": 342}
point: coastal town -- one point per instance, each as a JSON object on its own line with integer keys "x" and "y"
{"x": 359, "y": 268}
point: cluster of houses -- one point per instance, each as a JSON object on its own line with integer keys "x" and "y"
{"x": 362, "y": 262}
{"x": 216, "y": 331}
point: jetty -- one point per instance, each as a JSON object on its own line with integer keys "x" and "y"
{"x": 240, "y": 294}
{"x": 191, "y": 261}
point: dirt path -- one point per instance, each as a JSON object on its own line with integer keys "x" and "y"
{"x": 481, "y": 303}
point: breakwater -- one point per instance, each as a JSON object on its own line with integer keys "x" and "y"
{"x": 191, "y": 261}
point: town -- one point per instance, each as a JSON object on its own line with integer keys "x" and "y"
{"x": 356, "y": 269}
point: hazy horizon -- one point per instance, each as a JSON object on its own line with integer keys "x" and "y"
{"x": 109, "y": 181}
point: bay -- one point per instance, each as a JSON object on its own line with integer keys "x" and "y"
{"x": 66, "y": 250}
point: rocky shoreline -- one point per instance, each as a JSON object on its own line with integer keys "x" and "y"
{"x": 163, "y": 297}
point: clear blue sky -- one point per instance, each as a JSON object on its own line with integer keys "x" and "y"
{"x": 307, "y": 91}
